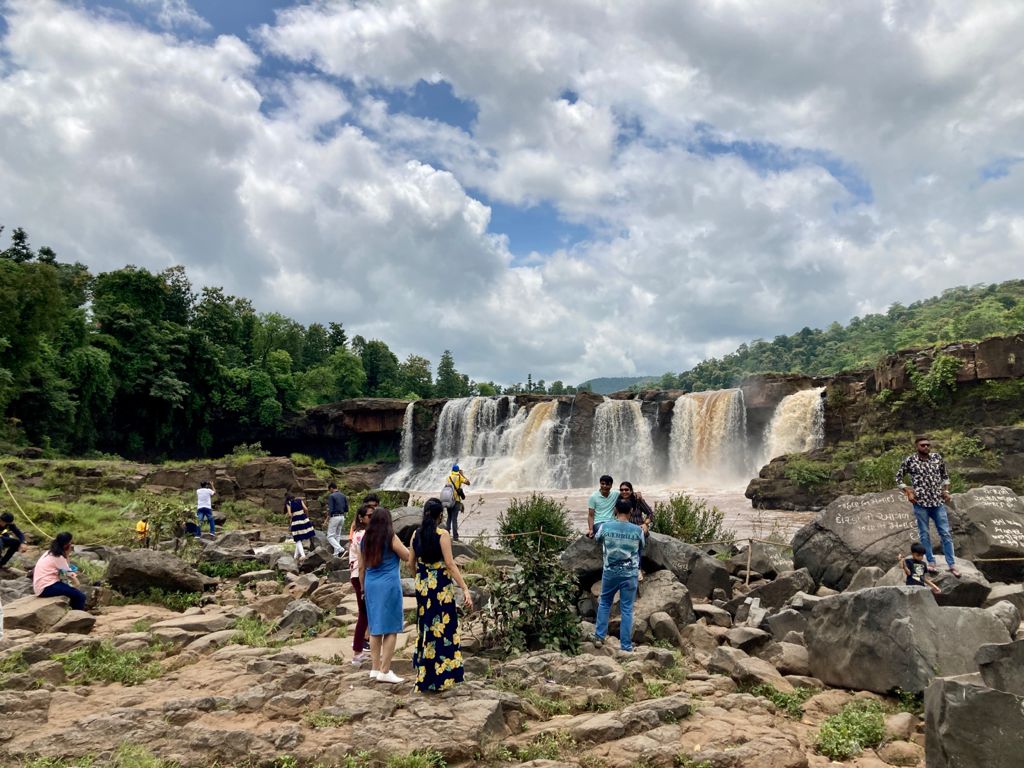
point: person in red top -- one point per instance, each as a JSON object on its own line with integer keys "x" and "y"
{"x": 54, "y": 575}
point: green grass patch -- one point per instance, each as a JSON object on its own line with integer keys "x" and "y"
{"x": 173, "y": 601}
{"x": 546, "y": 705}
{"x": 323, "y": 719}
{"x": 791, "y": 704}
{"x": 655, "y": 689}
{"x": 553, "y": 745}
{"x": 859, "y": 726}
{"x": 229, "y": 569}
{"x": 255, "y": 632}
{"x": 106, "y": 664}
{"x": 418, "y": 758}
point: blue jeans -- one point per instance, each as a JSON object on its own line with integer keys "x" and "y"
{"x": 208, "y": 514}
{"x": 625, "y": 585}
{"x": 60, "y": 589}
{"x": 938, "y": 514}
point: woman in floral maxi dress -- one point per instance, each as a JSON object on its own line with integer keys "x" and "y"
{"x": 438, "y": 657}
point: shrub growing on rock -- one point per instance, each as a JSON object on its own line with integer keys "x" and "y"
{"x": 533, "y": 607}
{"x": 859, "y": 726}
{"x": 536, "y": 513}
{"x": 690, "y": 520}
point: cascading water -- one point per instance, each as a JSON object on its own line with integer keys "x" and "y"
{"x": 400, "y": 477}
{"x": 498, "y": 445}
{"x": 708, "y": 438}
{"x": 797, "y": 425}
{"x": 621, "y": 443}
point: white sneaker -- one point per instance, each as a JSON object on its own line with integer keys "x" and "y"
{"x": 359, "y": 658}
{"x": 375, "y": 674}
{"x": 390, "y": 677}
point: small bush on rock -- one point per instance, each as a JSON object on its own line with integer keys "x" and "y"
{"x": 690, "y": 519}
{"x": 172, "y": 601}
{"x": 534, "y": 607}
{"x": 229, "y": 569}
{"x": 857, "y": 727}
{"x": 527, "y": 516}
{"x": 792, "y": 704}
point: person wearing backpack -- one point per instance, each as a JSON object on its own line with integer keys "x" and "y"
{"x": 455, "y": 480}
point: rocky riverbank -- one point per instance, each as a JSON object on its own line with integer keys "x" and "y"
{"x": 742, "y": 658}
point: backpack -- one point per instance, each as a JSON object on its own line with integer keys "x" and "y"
{"x": 448, "y": 495}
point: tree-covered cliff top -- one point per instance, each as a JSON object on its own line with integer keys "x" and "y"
{"x": 959, "y": 314}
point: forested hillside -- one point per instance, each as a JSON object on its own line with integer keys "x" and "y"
{"x": 959, "y": 314}
{"x": 140, "y": 364}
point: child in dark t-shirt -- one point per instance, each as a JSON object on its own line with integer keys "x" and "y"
{"x": 916, "y": 569}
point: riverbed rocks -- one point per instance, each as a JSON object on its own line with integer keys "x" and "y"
{"x": 988, "y": 526}
{"x": 701, "y": 573}
{"x": 883, "y": 638}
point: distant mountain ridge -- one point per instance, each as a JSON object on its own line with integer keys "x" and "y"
{"x": 605, "y": 385}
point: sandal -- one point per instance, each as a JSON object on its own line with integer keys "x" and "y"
{"x": 954, "y": 571}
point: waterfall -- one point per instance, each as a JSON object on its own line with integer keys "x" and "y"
{"x": 621, "y": 444}
{"x": 498, "y": 445}
{"x": 405, "y": 452}
{"x": 400, "y": 477}
{"x": 708, "y": 438}
{"x": 797, "y": 425}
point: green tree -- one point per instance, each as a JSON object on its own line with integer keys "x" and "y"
{"x": 416, "y": 377}
{"x": 449, "y": 382}
{"x": 383, "y": 377}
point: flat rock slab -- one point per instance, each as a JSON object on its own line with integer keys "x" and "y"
{"x": 201, "y": 622}
{"x": 36, "y": 614}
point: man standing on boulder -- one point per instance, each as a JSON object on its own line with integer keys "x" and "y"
{"x": 337, "y": 511}
{"x": 929, "y": 493}
{"x": 622, "y": 544}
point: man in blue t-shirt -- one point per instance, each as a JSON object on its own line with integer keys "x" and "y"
{"x": 601, "y": 505}
{"x": 622, "y": 543}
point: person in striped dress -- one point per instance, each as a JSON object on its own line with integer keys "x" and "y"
{"x": 301, "y": 528}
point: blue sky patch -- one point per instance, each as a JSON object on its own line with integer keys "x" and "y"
{"x": 431, "y": 101}
{"x": 537, "y": 228}
{"x": 998, "y": 168}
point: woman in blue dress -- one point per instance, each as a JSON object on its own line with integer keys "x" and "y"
{"x": 438, "y": 656}
{"x": 382, "y": 553}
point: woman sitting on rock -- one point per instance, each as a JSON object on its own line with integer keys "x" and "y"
{"x": 642, "y": 513}
{"x": 438, "y": 658}
{"x": 54, "y": 575}
{"x": 382, "y": 552}
{"x": 301, "y": 528}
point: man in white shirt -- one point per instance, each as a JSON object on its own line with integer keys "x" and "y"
{"x": 204, "y": 503}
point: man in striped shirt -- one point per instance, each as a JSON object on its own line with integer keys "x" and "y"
{"x": 929, "y": 493}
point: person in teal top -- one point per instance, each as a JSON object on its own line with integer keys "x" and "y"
{"x": 601, "y": 505}
{"x": 622, "y": 544}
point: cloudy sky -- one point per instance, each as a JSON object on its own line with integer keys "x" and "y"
{"x": 569, "y": 188}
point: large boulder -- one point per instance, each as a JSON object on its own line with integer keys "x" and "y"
{"x": 405, "y": 521}
{"x": 701, "y": 574}
{"x": 970, "y": 589}
{"x": 988, "y": 524}
{"x": 853, "y": 532}
{"x": 775, "y": 594}
{"x": 883, "y": 638}
{"x": 969, "y": 724}
{"x": 139, "y": 569}
{"x": 767, "y": 559}
{"x": 583, "y": 559}
{"x": 1002, "y": 666}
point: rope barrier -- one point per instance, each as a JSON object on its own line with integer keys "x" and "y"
{"x": 23, "y": 512}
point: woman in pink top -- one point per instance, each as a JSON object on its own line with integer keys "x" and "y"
{"x": 358, "y": 530}
{"x": 53, "y": 575}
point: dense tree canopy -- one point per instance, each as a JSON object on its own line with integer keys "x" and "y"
{"x": 959, "y": 314}
{"x": 141, "y": 364}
